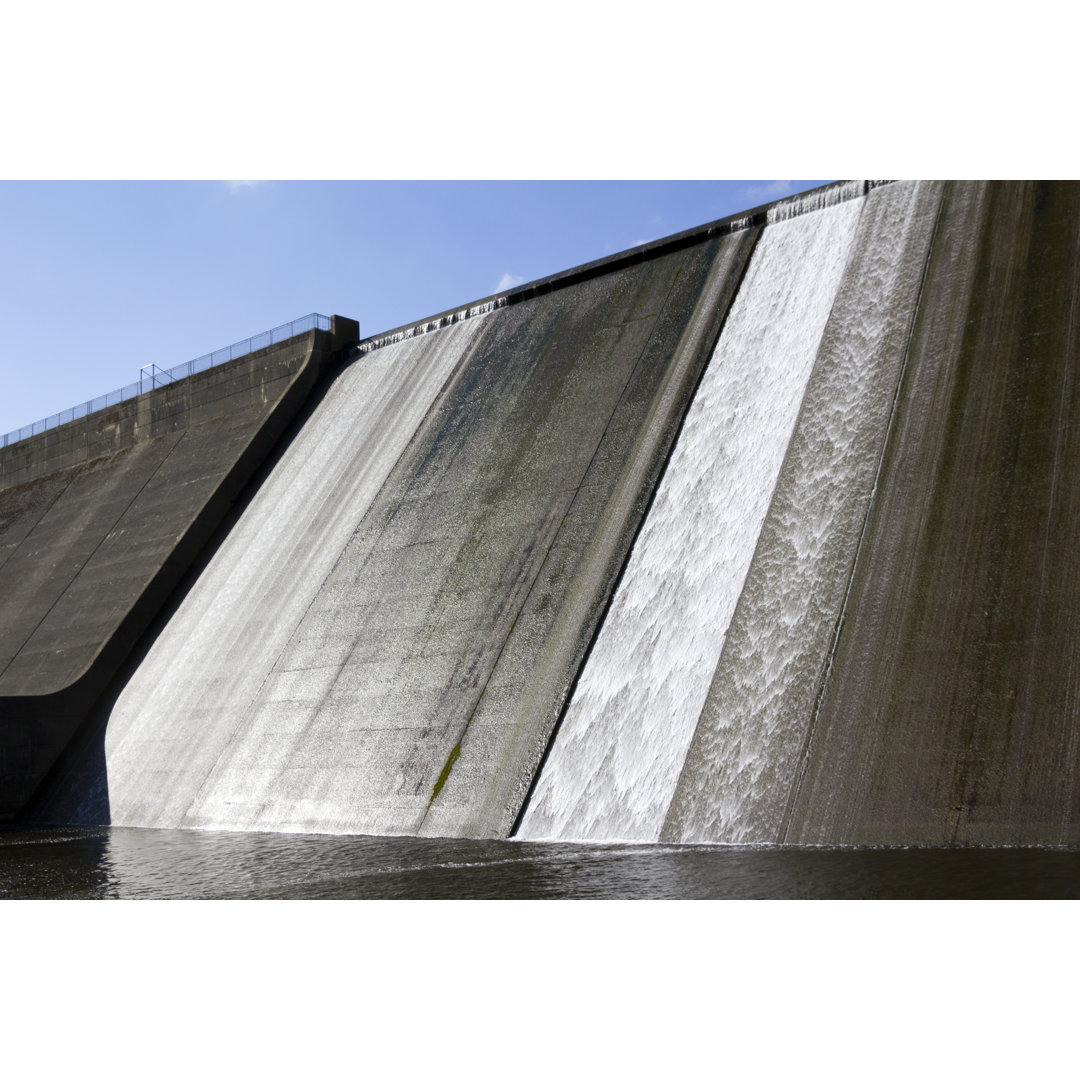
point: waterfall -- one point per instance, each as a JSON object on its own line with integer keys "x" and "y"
{"x": 187, "y": 699}
{"x": 818, "y": 199}
{"x": 744, "y": 758}
{"x": 613, "y": 767}
{"x": 431, "y": 325}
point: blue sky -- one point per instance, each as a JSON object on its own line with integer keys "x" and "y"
{"x": 102, "y": 277}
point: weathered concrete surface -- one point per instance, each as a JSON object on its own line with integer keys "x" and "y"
{"x": 99, "y": 520}
{"x": 189, "y": 699}
{"x": 513, "y": 719}
{"x": 950, "y": 714}
{"x": 468, "y": 591}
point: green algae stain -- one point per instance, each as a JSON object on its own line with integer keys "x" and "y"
{"x": 443, "y": 776}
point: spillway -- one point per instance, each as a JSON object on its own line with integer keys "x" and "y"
{"x": 616, "y": 760}
{"x": 741, "y": 769}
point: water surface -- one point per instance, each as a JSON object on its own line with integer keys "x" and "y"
{"x": 120, "y": 863}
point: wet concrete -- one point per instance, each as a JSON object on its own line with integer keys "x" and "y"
{"x": 950, "y": 713}
{"x": 187, "y": 700}
{"x": 739, "y": 775}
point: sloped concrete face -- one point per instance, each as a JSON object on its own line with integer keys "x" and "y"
{"x": 950, "y": 713}
{"x": 100, "y": 519}
{"x": 511, "y": 724}
{"x": 416, "y": 688}
{"x": 189, "y": 699}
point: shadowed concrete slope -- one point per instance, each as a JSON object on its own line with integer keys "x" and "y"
{"x": 100, "y": 518}
{"x": 417, "y": 683}
{"x": 951, "y": 710}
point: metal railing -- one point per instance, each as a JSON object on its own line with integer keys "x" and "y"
{"x": 152, "y": 376}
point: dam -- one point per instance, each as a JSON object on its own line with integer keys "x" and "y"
{"x": 760, "y": 534}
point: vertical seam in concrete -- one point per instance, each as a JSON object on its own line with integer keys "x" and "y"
{"x": 710, "y": 349}
{"x": 826, "y": 673}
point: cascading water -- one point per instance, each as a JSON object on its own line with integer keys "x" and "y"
{"x": 188, "y": 697}
{"x": 812, "y": 201}
{"x": 429, "y": 327}
{"x": 616, "y": 759}
{"x": 743, "y": 761}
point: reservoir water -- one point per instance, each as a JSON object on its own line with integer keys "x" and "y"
{"x": 125, "y": 863}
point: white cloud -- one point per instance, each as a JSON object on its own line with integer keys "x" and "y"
{"x": 763, "y": 193}
{"x": 508, "y": 281}
{"x": 239, "y": 185}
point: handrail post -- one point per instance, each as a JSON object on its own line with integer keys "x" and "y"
{"x": 168, "y": 376}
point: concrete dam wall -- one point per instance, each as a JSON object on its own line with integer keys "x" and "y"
{"x": 99, "y": 520}
{"x": 760, "y": 534}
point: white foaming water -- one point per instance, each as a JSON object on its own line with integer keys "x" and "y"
{"x": 432, "y": 325}
{"x": 743, "y": 761}
{"x": 617, "y": 756}
{"x": 188, "y": 698}
{"x": 818, "y": 199}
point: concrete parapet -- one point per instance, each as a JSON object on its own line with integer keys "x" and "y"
{"x": 345, "y": 332}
